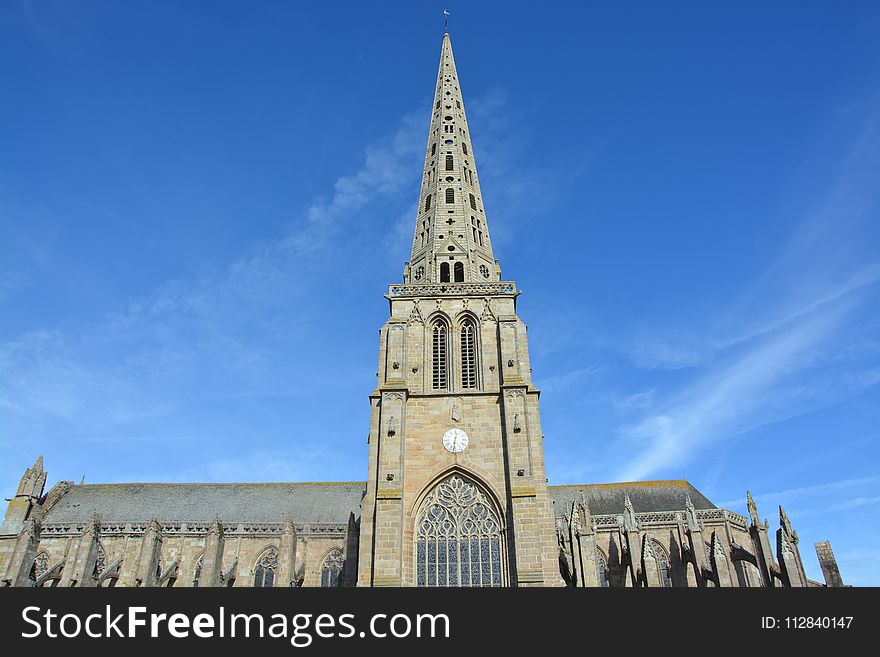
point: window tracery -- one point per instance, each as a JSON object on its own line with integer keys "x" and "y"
{"x": 458, "y": 538}
{"x": 264, "y": 572}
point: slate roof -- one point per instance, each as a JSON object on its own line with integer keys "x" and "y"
{"x": 316, "y": 502}
{"x": 265, "y": 502}
{"x": 664, "y": 495}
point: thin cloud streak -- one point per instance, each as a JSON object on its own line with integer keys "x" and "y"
{"x": 732, "y": 399}
{"x": 794, "y": 494}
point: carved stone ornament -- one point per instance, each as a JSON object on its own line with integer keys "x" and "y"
{"x": 516, "y": 427}
{"x": 395, "y": 365}
{"x": 510, "y": 362}
{"x": 392, "y": 429}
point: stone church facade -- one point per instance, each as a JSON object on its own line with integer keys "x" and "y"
{"x": 456, "y": 490}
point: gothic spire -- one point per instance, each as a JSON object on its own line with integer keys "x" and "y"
{"x": 451, "y": 239}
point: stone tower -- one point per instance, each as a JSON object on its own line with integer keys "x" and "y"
{"x": 456, "y": 490}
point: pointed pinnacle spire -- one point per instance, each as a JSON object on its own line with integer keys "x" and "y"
{"x": 451, "y": 238}
{"x": 753, "y": 508}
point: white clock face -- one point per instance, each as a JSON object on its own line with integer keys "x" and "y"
{"x": 455, "y": 440}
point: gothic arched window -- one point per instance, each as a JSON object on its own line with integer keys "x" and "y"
{"x": 458, "y": 538}
{"x": 331, "y": 570}
{"x": 449, "y": 165}
{"x": 473, "y": 201}
{"x": 464, "y": 148}
{"x": 428, "y": 202}
{"x": 468, "y": 346}
{"x": 459, "y": 272}
{"x": 433, "y": 148}
{"x": 662, "y": 565}
{"x": 439, "y": 355}
{"x": 450, "y": 195}
{"x": 603, "y": 570}
{"x": 264, "y": 573}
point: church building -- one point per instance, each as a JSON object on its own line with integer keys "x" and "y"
{"x": 456, "y": 490}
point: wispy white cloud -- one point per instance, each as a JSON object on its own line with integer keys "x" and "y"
{"x": 803, "y": 492}
{"x": 570, "y": 379}
{"x": 219, "y": 332}
{"x": 770, "y": 356}
{"x": 638, "y": 400}
{"x": 726, "y": 401}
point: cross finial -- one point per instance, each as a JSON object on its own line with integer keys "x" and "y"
{"x": 446, "y": 21}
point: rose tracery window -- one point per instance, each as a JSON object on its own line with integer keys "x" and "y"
{"x": 458, "y": 541}
{"x": 264, "y": 573}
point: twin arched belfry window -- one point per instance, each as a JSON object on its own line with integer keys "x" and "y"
{"x": 467, "y": 349}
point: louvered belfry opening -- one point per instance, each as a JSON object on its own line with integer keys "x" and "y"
{"x": 439, "y": 355}
{"x": 468, "y": 355}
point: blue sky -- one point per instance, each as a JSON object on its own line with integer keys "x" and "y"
{"x": 202, "y": 203}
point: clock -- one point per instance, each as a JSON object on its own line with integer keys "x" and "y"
{"x": 455, "y": 440}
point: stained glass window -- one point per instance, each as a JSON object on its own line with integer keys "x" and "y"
{"x": 264, "y": 573}
{"x": 458, "y": 540}
{"x": 331, "y": 571}
{"x": 603, "y": 571}
{"x": 662, "y": 565}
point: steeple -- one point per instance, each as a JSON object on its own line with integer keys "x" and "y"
{"x": 451, "y": 239}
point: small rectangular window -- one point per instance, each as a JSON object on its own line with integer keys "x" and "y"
{"x": 428, "y": 202}
{"x": 473, "y": 201}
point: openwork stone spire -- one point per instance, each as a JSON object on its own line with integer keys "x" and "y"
{"x": 451, "y": 240}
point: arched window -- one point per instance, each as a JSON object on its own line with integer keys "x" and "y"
{"x": 463, "y": 149}
{"x": 428, "y": 202}
{"x": 450, "y": 195}
{"x": 331, "y": 571}
{"x": 264, "y": 573}
{"x": 439, "y": 355}
{"x": 449, "y": 166}
{"x": 458, "y": 538}
{"x": 603, "y": 570}
{"x": 444, "y": 272}
{"x": 473, "y": 201}
{"x": 197, "y": 573}
{"x": 434, "y": 148}
{"x": 662, "y": 565}
{"x": 468, "y": 354}
{"x": 458, "y": 270}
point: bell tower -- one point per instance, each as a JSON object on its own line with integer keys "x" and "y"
{"x": 456, "y": 489}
